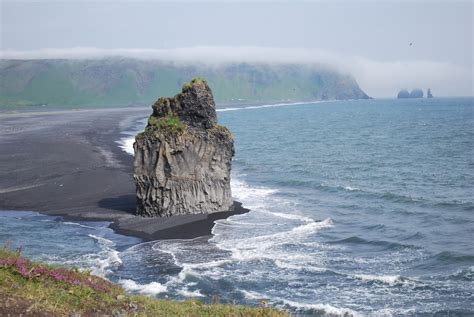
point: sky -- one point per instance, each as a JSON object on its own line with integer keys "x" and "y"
{"x": 368, "y": 39}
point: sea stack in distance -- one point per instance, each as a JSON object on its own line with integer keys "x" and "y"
{"x": 429, "y": 94}
{"x": 415, "y": 93}
{"x": 183, "y": 158}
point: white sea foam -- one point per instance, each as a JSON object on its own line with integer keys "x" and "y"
{"x": 252, "y": 295}
{"x": 152, "y": 288}
{"x": 262, "y": 199}
{"x": 187, "y": 293}
{"x": 292, "y": 235}
{"x": 270, "y": 105}
{"x": 324, "y": 309}
{"x": 352, "y": 189}
{"x": 386, "y": 279}
{"x": 288, "y": 216}
{"x": 126, "y": 144}
{"x": 101, "y": 262}
{"x": 189, "y": 270}
{"x": 197, "y": 269}
{"x": 237, "y": 234}
{"x": 78, "y": 224}
{"x": 267, "y": 246}
{"x": 299, "y": 267}
{"x": 242, "y": 191}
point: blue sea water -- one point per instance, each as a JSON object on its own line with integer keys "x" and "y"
{"x": 357, "y": 208}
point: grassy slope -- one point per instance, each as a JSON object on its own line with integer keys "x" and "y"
{"x": 120, "y": 81}
{"x": 37, "y": 289}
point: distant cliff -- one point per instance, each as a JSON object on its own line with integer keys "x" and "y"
{"x": 183, "y": 158}
{"x": 415, "y": 93}
{"x": 124, "y": 81}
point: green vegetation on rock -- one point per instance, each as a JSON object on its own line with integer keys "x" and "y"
{"x": 170, "y": 123}
{"x": 196, "y": 80}
{"x": 45, "y": 290}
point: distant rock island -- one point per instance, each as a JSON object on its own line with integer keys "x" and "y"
{"x": 415, "y": 93}
{"x": 183, "y": 158}
{"x": 429, "y": 94}
{"x": 127, "y": 81}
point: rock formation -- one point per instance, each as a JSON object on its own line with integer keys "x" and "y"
{"x": 415, "y": 93}
{"x": 183, "y": 158}
{"x": 403, "y": 94}
{"x": 429, "y": 94}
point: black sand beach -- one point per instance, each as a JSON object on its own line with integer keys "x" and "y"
{"x": 67, "y": 163}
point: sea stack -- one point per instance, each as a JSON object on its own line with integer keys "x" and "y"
{"x": 415, "y": 93}
{"x": 183, "y": 158}
{"x": 429, "y": 94}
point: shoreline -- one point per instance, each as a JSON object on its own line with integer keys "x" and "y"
{"x": 220, "y": 106}
{"x": 68, "y": 164}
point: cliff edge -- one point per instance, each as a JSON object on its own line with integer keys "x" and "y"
{"x": 183, "y": 158}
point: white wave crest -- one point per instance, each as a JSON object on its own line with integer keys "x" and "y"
{"x": 264, "y": 246}
{"x": 187, "y": 293}
{"x": 152, "y": 288}
{"x": 261, "y": 199}
{"x": 126, "y": 144}
{"x": 324, "y": 309}
{"x": 283, "y": 237}
{"x": 288, "y": 216}
{"x": 252, "y": 295}
{"x": 199, "y": 269}
{"x": 77, "y": 224}
{"x": 271, "y": 105}
{"x": 101, "y": 262}
{"x": 352, "y": 189}
{"x": 299, "y": 267}
{"x": 242, "y": 191}
{"x": 386, "y": 279}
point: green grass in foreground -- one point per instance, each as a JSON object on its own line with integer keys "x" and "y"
{"x": 40, "y": 289}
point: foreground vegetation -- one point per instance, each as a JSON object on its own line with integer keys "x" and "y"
{"x": 37, "y": 289}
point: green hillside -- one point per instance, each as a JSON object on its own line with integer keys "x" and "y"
{"x": 124, "y": 81}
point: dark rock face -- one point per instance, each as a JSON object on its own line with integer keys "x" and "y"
{"x": 183, "y": 159}
{"x": 195, "y": 106}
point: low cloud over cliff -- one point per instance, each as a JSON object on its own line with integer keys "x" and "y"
{"x": 377, "y": 78}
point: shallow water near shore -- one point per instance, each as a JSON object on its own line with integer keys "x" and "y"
{"x": 357, "y": 208}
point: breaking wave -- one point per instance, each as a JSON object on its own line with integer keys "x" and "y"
{"x": 271, "y": 105}
{"x": 153, "y": 288}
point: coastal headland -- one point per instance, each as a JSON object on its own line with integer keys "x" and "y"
{"x": 68, "y": 164}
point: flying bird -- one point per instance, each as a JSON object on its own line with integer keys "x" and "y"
{"x": 411, "y": 44}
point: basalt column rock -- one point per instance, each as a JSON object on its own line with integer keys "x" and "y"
{"x": 183, "y": 158}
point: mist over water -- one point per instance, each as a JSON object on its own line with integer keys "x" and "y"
{"x": 357, "y": 208}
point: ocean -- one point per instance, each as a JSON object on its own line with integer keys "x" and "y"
{"x": 358, "y": 208}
